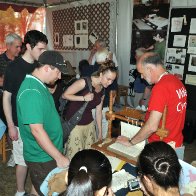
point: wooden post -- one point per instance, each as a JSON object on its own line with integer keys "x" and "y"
{"x": 109, "y": 135}
{"x": 3, "y": 148}
{"x": 163, "y": 132}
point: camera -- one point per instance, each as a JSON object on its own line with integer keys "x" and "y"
{"x": 134, "y": 184}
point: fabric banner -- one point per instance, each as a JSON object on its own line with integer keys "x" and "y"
{"x": 2, "y": 128}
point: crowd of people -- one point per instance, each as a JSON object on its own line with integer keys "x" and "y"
{"x": 31, "y": 109}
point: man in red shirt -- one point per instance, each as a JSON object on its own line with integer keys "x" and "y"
{"x": 167, "y": 91}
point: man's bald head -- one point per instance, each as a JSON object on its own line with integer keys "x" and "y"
{"x": 150, "y": 58}
{"x": 150, "y": 66}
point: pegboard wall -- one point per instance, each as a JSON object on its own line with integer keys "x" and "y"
{"x": 98, "y": 16}
{"x": 189, "y": 13}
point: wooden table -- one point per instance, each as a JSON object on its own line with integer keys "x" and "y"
{"x": 103, "y": 148}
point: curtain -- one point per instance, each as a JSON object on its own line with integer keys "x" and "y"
{"x": 20, "y": 23}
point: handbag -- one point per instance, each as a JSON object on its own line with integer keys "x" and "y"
{"x": 68, "y": 125}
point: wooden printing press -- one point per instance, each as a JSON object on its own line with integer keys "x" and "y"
{"x": 131, "y": 116}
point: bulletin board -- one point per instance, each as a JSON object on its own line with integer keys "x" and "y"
{"x": 97, "y": 17}
{"x": 181, "y": 50}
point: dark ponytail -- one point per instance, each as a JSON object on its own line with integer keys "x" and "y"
{"x": 89, "y": 171}
{"x": 80, "y": 185}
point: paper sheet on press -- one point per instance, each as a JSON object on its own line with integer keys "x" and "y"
{"x": 119, "y": 180}
{"x": 130, "y": 131}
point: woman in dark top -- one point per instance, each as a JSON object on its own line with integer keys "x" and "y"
{"x": 84, "y": 135}
{"x": 56, "y": 90}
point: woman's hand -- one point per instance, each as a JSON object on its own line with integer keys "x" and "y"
{"x": 89, "y": 97}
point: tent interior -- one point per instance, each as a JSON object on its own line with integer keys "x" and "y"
{"x": 112, "y": 22}
{"x": 38, "y": 3}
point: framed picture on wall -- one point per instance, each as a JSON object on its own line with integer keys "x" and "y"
{"x": 81, "y": 41}
{"x": 81, "y": 27}
{"x": 68, "y": 40}
{"x": 192, "y": 63}
{"x": 192, "y": 44}
{"x": 77, "y": 27}
{"x": 84, "y": 26}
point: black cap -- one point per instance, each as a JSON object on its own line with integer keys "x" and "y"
{"x": 54, "y": 58}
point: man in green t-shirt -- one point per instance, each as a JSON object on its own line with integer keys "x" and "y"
{"x": 38, "y": 120}
{"x": 159, "y": 45}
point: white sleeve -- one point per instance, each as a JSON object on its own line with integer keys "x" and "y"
{"x": 93, "y": 60}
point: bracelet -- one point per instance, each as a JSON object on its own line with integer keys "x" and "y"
{"x": 84, "y": 98}
{"x": 130, "y": 142}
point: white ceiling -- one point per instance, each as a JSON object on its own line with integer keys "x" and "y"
{"x": 38, "y": 3}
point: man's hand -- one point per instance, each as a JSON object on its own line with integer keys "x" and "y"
{"x": 13, "y": 133}
{"x": 123, "y": 140}
{"x": 62, "y": 162}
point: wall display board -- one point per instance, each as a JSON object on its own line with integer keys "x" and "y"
{"x": 181, "y": 50}
{"x": 73, "y": 26}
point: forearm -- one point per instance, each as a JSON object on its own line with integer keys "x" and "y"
{"x": 73, "y": 97}
{"x": 150, "y": 47}
{"x": 99, "y": 121}
{"x": 99, "y": 117}
{"x": 142, "y": 135}
{"x": 148, "y": 129}
{"x": 71, "y": 92}
{"x": 44, "y": 141}
{"x": 7, "y": 107}
{"x": 90, "y": 59}
{"x": 150, "y": 126}
{"x": 114, "y": 96}
{"x": 147, "y": 92}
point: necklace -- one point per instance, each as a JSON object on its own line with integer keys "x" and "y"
{"x": 163, "y": 74}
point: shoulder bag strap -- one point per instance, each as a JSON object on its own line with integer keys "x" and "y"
{"x": 89, "y": 83}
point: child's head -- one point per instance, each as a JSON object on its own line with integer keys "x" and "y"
{"x": 89, "y": 172}
{"x": 158, "y": 164}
